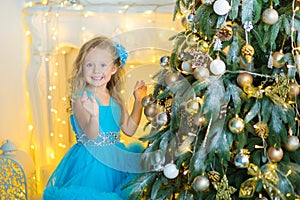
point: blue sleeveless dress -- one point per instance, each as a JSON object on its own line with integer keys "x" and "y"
{"x": 96, "y": 169}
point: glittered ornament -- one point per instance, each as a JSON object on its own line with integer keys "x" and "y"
{"x": 217, "y": 67}
{"x": 278, "y": 59}
{"x": 270, "y": 16}
{"x": 244, "y": 79}
{"x": 292, "y": 143}
{"x": 294, "y": 90}
{"x": 248, "y": 52}
{"x": 275, "y": 154}
{"x": 200, "y": 58}
{"x": 171, "y": 78}
{"x": 221, "y": 7}
{"x": 201, "y": 73}
{"x": 214, "y": 176}
{"x": 236, "y": 125}
{"x": 241, "y": 160}
{"x": 164, "y": 61}
{"x": 170, "y": 171}
{"x": 162, "y": 118}
{"x": 200, "y": 183}
{"x": 186, "y": 67}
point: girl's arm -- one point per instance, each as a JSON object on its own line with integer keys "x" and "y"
{"x": 86, "y": 111}
{"x": 131, "y": 122}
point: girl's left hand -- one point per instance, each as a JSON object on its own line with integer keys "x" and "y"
{"x": 140, "y": 90}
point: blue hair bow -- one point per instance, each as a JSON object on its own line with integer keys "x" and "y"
{"x": 122, "y": 53}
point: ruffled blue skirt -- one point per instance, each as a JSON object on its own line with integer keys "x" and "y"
{"x": 94, "y": 172}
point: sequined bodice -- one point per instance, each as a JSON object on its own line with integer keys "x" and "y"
{"x": 109, "y": 121}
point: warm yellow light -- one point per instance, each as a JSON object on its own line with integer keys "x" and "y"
{"x": 52, "y": 155}
{"x": 83, "y": 28}
{"x": 58, "y": 119}
{"x": 120, "y": 11}
{"x": 56, "y": 14}
{"x": 149, "y": 21}
{"x": 60, "y": 135}
{"x": 51, "y": 134}
{"x": 55, "y": 74}
{"x": 46, "y": 59}
{"x": 64, "y": 99}
{"x": 148, "y": 12}
{"x": 126, "y": 7}
{"x": 131, "y": 66}
{"x": 27, "y": 33}
{"x": 49, "y": 97}
{"x": 32, "y": 146}
{"x": 30, "y": 127}
{"x": 129, "y": 75}
{"x": 122, "y": 91}
{"x": 63, "y": 122}
{"x": 54, "y": 87}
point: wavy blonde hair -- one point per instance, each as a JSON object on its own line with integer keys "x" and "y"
{"x": 77, "y": 83}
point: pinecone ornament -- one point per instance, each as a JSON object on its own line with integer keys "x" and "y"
{"x": 214, "y": 176}
{"x": 248, "y": 52}
{"x": 225, "y": 33}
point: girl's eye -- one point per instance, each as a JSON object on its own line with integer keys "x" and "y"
{"x": 103, "y": 65}
{"x": 89, "y": 65}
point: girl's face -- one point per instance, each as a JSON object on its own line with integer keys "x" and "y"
{"x": 98, "y": 67}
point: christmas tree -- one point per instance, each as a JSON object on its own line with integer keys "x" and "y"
{"x": 224, "y": 116}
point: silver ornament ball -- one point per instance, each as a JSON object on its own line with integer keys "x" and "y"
{"x": 201, "y": 183}
{"x": 164, "y": 61}
{"x": 270, "y": 16}
{"x": 292, "y": 143}
{"x": 241, "y": 160}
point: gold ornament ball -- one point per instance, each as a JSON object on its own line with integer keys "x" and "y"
{"x": 147, "y": 100}
{"x": 236, "y": 125}
{"x": 244, "y": 79}
{"x": 171, "y": 78}
{"x": 192, "y": 39}
{"x": 292, "y": 143}
{"x": 270, "y": 16}
{"x": 203, "y": 45}
{"x": 200, "y": 183}
{"x": 278, "y": 59}
{"x": 294, "y": 90}
{"x": 275, "y": 154}
{"x": 151, "y": 110}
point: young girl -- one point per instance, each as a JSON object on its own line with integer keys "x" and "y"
{"x": 98, "y": 165}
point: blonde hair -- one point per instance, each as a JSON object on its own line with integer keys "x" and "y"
{"x": 77, "y": 83}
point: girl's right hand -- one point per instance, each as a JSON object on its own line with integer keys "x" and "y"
{"x": 90, "y": 105}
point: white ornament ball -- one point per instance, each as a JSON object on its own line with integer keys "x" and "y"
{"x": 270, "y": 16}
{"x": 186, "y": 67}
{"x": 217, "y": 67}
{"x": 221, "y": 7}
{"x": 171, "y": 171}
